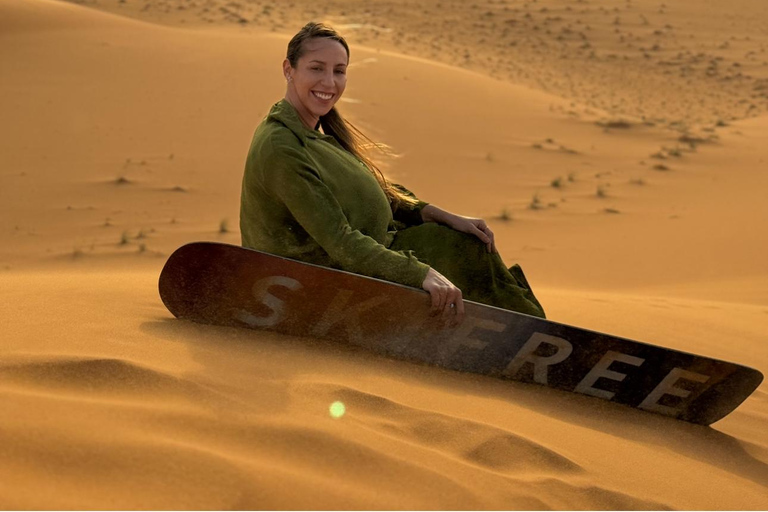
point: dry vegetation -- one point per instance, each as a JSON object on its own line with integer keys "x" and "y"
{"x": 643, "y": 53}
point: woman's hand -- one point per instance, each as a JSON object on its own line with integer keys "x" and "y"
{"x": 446, "y": 298}
{"x": 473, "y": 226}
{"x": 477, "y": 227}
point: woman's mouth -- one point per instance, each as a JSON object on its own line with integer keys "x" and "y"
{"x": 324, "y": 96}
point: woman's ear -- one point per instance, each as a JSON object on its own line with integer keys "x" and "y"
{"x": 287, "y": 69}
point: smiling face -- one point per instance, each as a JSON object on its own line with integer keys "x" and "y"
{"x": 318, "y": 80}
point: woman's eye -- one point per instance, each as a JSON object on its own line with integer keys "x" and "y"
{"x": 341, "y": 72}
{"x": 316, "y": 69}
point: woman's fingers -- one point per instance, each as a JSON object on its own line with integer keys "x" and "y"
{"x": 477, "y": 227}
{"x": 435, "y": 302}
{"x": 493, "y": 240}
{"x": 484, "y": 233}
{"x": 442, "y": 301}
{"x": 454, "y": 307}
{"x": 448, "y": 309}
{"x": 445, "y": 297}
{"x": 438, "y": 300}
{"x": 459, "y": 311}
{"x": 492, "y": 243}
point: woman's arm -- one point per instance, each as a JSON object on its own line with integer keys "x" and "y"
{"x": 294, "y": 182}
{"x": 431, "y": 213}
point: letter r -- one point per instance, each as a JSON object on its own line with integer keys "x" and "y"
{"x": 540, "y": 363}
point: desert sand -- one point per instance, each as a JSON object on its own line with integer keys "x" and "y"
{"x": 617, "y": 150}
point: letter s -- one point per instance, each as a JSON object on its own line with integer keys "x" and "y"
{"x": 261, "y": 293}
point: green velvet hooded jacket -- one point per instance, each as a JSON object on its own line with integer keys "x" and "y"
{"x": 305, "y": 197}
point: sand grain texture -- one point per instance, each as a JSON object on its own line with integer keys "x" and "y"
{"x": 636, "y": 207}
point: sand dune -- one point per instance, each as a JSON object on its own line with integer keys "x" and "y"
{"x": 633, "y": 198}
{"x": 632, "y": 58}
{"x": 132, "y": 409}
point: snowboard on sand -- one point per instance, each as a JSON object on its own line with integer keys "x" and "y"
{"x": 228, "y": 285}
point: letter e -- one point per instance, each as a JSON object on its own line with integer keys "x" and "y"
{"x": 461, "y": 337}
{"x": 601, "y": 370}
{"x": 667, "y": 387}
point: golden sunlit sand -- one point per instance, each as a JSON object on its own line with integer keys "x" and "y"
{"x": 631, "y": 189}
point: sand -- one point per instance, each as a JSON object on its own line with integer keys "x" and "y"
{"x": 631, "y": 189}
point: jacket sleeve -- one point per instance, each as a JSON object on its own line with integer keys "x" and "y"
{"x": 408, "y": 215}
{"x": 294, "y": 181}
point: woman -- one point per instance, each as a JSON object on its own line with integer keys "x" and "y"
{"x": 315, "y": 196}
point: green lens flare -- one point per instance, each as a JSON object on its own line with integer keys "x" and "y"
{"x": 337, "y": 409}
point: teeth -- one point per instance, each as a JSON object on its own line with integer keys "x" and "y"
{"x": 322, "y": 95}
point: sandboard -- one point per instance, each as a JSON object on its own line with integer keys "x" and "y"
{"x": 228, "y": 285}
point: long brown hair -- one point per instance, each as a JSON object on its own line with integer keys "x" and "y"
{"x": 350, "y": 138}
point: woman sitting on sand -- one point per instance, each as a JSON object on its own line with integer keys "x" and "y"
{"x": 316, "y": 197}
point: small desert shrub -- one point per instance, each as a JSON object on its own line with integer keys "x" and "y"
{"x": 616, "y": 123}
{"x": 691, "y": 140}
{"x": 675, "y": 152}
{"x": 536, "y": 203}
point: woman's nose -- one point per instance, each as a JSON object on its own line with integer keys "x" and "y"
{"x": 328, "y": 79}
